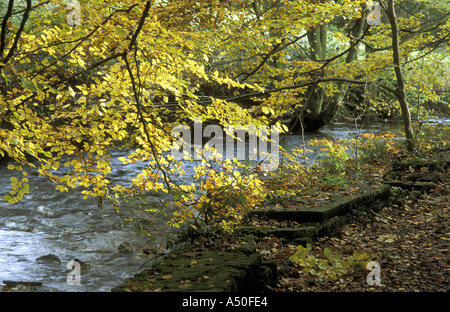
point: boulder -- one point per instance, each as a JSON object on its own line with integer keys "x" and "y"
{"x": 48, "y": 258}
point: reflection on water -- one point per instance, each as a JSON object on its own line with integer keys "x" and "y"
{"x": 48, "y": 221}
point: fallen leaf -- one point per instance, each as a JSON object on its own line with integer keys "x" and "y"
{"x": 387, "y": 238}
{"x": 187, "y": 285}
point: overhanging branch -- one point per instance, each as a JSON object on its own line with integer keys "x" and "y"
{"x": 18, "y": 33}
{"x": 309, "y": 83}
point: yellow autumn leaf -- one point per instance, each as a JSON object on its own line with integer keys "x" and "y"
{"x": 71, "y": 92}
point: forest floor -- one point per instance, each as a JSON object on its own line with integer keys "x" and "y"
{"x": 409, "y": 240}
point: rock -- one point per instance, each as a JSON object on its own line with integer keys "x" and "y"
{"x": 430, "y": 177}
{"x": 417, "y": 163}
{"x": 125, "y": 248}
{"x": 83, "y": 265}
{"x": 204, "y": 270}
{"x": 21, "y": 283}
{"x": 253, "y": 230}
{"x": 419, "y": 186}
{"x": 248, "y": 246}
{"x": 49, "y": 258}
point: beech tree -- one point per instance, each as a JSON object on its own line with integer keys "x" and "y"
{"x": 400, "y": 89}
{"x": 295, "y": 75}
{"x": 72, "y": 91}
{"x": 81, "y": 78}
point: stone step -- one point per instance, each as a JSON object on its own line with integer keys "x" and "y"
{"x": 303, "y": 213}
{"x": 243, "y": 269}
{"x": 290, "y": 233}
{"x": 423, "y": 187}
{"x": 206, "y": 270}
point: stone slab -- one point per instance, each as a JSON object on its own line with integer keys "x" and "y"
{"x": 208, "y": 270}
{"x": 290, "y": 233}
{"x": 303, "y": 213}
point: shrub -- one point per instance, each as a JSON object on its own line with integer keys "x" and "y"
{"x": 336, "y": 155}
{"x": 220, "y": 199}
{"x": 331, "y": 266}
{"x": 377, "y": 147}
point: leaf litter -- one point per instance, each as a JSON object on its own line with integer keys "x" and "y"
{"x": 410, "y": 241}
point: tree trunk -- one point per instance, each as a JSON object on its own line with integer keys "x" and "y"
{"x": 317, "y": 39}
{"x": 352, "y": 55}
{"x": 319, "y": 112}
{"x": 400, "y": 90}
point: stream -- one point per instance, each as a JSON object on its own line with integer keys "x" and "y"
{"x": 63, "y": 224}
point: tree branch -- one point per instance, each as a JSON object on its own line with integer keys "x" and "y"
{"x": 4, "y": 27}
{"x": 318, "y": 80}
{"x": 19, "y": 32}
{"x": 81, "y": 40}
{"x": 277, "y": 48}
{"x": 36, "y": 6}
{"x": 137, "y": 93}
{"x": 141, "y": 24}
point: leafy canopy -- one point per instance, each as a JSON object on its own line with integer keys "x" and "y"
{"x": 130, "y": 71}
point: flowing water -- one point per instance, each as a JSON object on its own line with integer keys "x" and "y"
{"x": 63, "y": 224}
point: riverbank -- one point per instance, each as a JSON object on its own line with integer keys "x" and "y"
{"x": 84, "y": 232}
{"x": 407, "y": 234}
{"x": 408, "y": 238}
{"x": 235, "y": 263}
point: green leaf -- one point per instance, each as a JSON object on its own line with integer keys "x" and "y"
{"x": 122, "y": 33}
{"x": 358, "y": 266}
{"x": 312, "y": 260}
{"x": 363, "y": 256}
{"x": 327, "y": 253}
{"x": 301, "y": 252}
{"x": 323, "y": 264}
{"x": 351, "y": 260}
